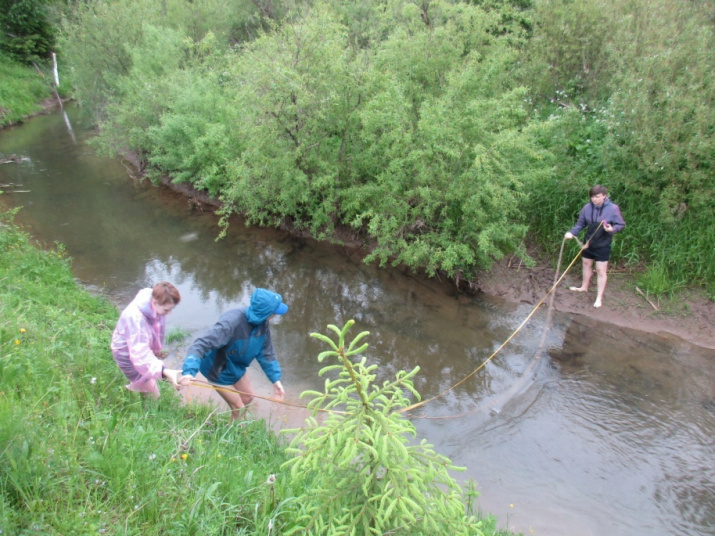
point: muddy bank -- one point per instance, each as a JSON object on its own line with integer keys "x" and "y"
{"x": 688, "y": 316}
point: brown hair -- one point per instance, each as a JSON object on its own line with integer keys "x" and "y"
{"x": 598, "y": 189}
{"x": 165, "y": 293}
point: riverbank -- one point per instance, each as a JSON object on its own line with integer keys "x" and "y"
{"x": 82, "y": 455}
{"x": 688, "y": 315}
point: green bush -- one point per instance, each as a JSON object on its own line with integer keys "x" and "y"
{"x": 26, "y": 32}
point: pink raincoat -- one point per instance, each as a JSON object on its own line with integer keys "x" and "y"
{"x": 139, "y": 334}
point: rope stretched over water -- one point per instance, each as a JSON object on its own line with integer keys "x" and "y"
{"x": 550, "y": 294}
{"x": 207, "y": 385}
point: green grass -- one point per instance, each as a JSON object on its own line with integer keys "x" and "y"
{"x": 22, "y": 89}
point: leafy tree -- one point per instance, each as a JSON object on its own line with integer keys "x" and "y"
{"x": 568, "y": 52}
{"x": 359, "y": 472}
{"x": 442, "y": 191}
{"x": 97, "y": 38}
{"x": 295, "y": 93}
{"x": 26, "y": 32}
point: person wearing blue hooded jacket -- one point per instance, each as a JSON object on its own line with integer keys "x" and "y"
{"x": 226, "y": 350}
{"x": 602, "y": 219}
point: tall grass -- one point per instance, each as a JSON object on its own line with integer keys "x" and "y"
{"x": 644, "y": 131}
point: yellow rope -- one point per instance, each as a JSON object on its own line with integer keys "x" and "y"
{"x": 553, "y": 287}
{"x": 206, "y": 385}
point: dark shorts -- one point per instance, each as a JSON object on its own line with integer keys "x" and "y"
{"x": 601, "y": 254}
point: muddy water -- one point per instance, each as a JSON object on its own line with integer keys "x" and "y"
{"x": 609, "y": 433}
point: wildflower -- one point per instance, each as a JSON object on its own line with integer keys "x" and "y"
{"x": 271, "y": 479}
{"x": 93, "y": 381}
{"x": 152, "y": 456}
{"x": 22, "y": 330}
{"x": 184, "y": 456}
{"x": 17, "y": 341}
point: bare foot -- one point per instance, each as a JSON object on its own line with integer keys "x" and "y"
{"x": 597, "y": 303}
{"x": 578, "y": 289}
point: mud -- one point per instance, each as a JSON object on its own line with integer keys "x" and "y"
{"x": 688, "y": 316}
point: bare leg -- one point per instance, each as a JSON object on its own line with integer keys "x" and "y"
{"x": 602, "y": 273}
{"x": 587, "y": 273}
{"x": 237, "y": 401}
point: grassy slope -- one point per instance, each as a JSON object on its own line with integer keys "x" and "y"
{"x": 21, "y": 90}
{"x": 79, "y": 453}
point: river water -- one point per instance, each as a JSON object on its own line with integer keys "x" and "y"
{"x": 609, "y": 433}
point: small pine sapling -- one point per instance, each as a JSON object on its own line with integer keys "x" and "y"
{"x": 358, "y": 470}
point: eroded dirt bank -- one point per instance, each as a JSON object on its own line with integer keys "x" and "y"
{"x": 691, "y": 316}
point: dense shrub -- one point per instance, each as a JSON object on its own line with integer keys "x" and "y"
{"x": 27, "y": 33}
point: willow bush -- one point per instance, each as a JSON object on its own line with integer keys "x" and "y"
{"x": 439, "y": 132}
{"x": 96, "y": 40}
{"x": 360, "y": 473}
{"x": 379, "y": 140}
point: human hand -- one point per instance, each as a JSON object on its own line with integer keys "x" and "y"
{"x": 172, "y": 375}
{"x": 185, "y": 380}
{"x": 568, "y": 235}
{"x": 608, "y": 227}
{"x": 278, "y": 391}
{"x": 161, "y": 354}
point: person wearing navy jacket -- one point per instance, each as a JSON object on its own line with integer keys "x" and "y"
{"x": 602, "y": 219}
{"x": 226, "y": 350}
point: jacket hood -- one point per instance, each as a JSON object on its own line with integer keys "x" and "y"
{"x": 264, "y": 303}
{"x": 606, "y": 202}
{"x": 143, "y": 302}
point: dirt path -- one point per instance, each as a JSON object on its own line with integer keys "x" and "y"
{"x": 690, "y": 316}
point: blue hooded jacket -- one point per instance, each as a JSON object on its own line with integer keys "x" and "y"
{"x": 238, "y": 337}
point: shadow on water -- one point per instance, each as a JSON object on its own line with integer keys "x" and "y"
{"x": 610, "y": 434}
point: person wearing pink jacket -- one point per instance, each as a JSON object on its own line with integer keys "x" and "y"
{"x": 138, "y": 338}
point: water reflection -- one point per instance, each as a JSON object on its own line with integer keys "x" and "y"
{"x": 609, "y": 433}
